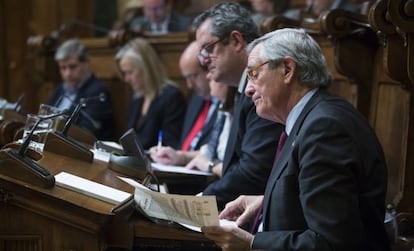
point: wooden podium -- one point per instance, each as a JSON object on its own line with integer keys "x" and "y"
{"x": 38, "y": 219}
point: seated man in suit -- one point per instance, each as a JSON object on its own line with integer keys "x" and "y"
{"x": 159, "y": 18}
{"x": 79, "y": 82}
{"x": 327, "y": 188}
{"x": 222, "y": 33}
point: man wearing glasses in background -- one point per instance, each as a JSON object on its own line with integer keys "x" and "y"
{"x": 159, "y": 18}
{"x": 223, "y": 33}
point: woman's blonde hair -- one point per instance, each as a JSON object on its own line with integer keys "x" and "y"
{"x": 144, "y": 56}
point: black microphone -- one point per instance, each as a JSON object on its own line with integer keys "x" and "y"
{"x": 101, "y": 97}
{"x": 75, "y": 114}
{"x": 70, "y": 120}
{"x": 17, "y": 106}
{"x": 25, "y": 144}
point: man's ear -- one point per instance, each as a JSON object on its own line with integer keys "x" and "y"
{"x": 289, "y": 68}
{"x": 237, "y": 40}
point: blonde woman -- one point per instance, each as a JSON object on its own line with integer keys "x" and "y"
{"x": 157, "y": 105}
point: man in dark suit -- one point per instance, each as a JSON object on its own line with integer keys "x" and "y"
{"x": 159, "y": 18}
{"x": 80, "y": 83}
{"x": 222, "y": 33}
{"x": 327, "y": 189}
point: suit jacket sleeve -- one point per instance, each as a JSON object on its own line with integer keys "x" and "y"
{"x": 252, "y": 158}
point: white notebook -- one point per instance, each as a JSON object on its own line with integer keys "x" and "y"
{"x": 91, "y": 188}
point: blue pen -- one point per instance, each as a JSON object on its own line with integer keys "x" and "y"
{"x": 159, "y": 140}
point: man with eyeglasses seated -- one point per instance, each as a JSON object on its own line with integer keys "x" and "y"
{"x": 223, "y": 33}
{"x": 159, "y": 18}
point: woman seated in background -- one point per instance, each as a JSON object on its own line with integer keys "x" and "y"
{"x": 211, "y": 155}
{"x": 157, "y": 105}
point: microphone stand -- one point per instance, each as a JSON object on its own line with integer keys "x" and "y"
{"x": 101, "y": 97}
{"x": 16, "y": 164}
{"x": 60, "y": 143}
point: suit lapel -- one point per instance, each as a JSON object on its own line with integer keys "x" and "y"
{"x": 285, "y": 154}
{"x": 233, "y": 136}
{"x": 234, "y": 129}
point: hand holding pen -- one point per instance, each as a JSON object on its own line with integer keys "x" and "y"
{"x": 159, "y": 145}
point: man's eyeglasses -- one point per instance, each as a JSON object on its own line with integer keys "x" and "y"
{"x": 253, "y": 73}
{"x": 206, "y": 51}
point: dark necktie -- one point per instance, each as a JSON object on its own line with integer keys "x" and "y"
{"x": 215, "y": 136}
{"x": 258, "y": 218}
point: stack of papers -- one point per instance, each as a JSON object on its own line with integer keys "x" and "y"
{"x": 91, "y": 188}
{"x": 177, "y": 169}
{"x": 190, "y": 211}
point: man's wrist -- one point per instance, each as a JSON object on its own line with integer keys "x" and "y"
{"x": 211, "y": 165}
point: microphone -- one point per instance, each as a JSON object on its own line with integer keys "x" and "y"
{"x": 101, "y": 97}
{"x": 70, "y": 120}
{"x": 75, "y": 114}
{"x": 23, "y": 148}
{"x": 17, "y": 106}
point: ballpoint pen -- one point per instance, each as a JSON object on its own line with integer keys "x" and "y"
{"x": 159, "y": 140}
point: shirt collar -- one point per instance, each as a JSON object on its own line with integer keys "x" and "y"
{"x": 163, "y": 26}
{"x": 297, "y": 109}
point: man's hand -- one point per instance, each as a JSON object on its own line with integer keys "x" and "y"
{"x": 242, "y": 209}
{"x": 229, "y": 237}
{"x": 165, "y": 155}
{"x": 200, "y": 162}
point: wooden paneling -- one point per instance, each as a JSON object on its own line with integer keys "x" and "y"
{"x": 3, "y": 59}
{"x": 19, "y": 20}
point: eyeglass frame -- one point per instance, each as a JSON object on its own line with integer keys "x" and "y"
{"x": 206, "y": 51}
{"x": 253, "y": 73}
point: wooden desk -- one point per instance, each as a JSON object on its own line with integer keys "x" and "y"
{"x": 33, "y": 218}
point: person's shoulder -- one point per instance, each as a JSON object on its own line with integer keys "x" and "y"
{"x": 94, "y": 81}
{"x": 177, "y": 16}
{"x": 195, "y": 99}
{"x": 179, "y": 22}
{"x": 171, "y": 91}
{"x": 138, "y": 21}
{"x": 94, "y": 85}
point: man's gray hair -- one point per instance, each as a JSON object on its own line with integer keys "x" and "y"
{"x": 296, "y": 43}
{"x": 227, "y": 17}
{"x": 71, "y": 47}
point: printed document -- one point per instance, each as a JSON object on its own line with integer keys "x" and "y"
{"x": 196, "y": 211}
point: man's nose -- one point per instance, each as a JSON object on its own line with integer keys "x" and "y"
{"x": 249, "y": 91}
{"x": 66, "y": 72}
